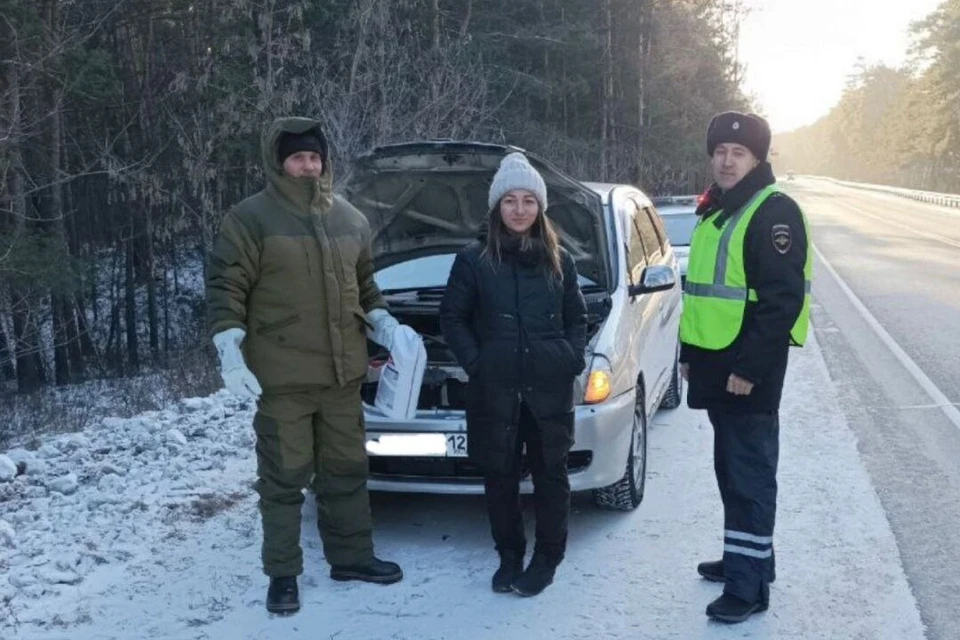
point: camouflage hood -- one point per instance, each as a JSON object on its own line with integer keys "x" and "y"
{"x": 304, "y": 194}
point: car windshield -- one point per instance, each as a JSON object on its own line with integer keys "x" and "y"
{"x": 428, "y": 272}
{"x": 679, "y": 226}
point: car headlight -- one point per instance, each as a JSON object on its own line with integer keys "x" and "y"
{"x": 598, "y": 381}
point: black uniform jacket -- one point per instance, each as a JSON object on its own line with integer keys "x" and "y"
{"x": 775, "y": 250}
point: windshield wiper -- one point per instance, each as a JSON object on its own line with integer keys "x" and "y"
{"x": 593, "y": 288}
{"x": 388, "y": 292}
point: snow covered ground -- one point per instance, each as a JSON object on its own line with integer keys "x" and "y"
{"x": 147, "y": 528}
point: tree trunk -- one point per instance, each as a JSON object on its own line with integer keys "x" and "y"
{"x": 267, "y": 95}
{"x": 175, "y": 266}
{"x": 87, "y": 348}
{"x": 364, "y": 18}
{"x": 114, "y": 350}
{"x": 61, "y": 357}
{"x": 165, "y": 304}
{"x": 465, "y": 23}
{"x": 643, "y": 48}
{"x": 606, "y": 92}
{"x": 29, "y": 365}
{"x": 94, "y": 295}
{"x": 435, "y": 48}
{"x": 130, "y": 308}
{"x": 547, "y": 97}
{"x": 58, "y": 232}
{"x": 74, "y": 350}
{"x": 152, "y": 289}
{"x": 18, "y": 201}
{"x": 7, "y": 372}
{"x": 565, "y": 92}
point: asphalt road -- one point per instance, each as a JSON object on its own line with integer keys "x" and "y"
{"x": 893, "y": 267}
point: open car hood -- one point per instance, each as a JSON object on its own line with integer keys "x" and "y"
{"x": 429, "y": 198}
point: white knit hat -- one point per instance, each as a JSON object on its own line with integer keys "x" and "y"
{"x": 515, "y": 172}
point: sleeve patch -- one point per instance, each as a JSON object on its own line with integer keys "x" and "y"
{"x": 782, "y": 240}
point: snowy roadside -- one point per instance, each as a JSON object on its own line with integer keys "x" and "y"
{"x": 97, "y": 506}
{"x": 156, "y": 535}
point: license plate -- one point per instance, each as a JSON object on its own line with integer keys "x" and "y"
{"x": 456, "y": 445}
{"x": 452, "y": 445}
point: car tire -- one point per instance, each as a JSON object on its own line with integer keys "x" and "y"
{"x": 674, "y": 395}
{"x": 627, "y": 493}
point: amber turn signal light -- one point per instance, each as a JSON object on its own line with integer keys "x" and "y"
{"x": 598, "y": 387}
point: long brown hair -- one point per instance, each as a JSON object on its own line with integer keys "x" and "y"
{"x": 542, "y": 233}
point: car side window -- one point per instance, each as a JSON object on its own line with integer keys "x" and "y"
{"x": 659, "y": 228}
{"x": 648, "y": 236}
{"x": 636, "y": 256}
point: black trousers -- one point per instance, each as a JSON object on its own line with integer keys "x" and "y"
{"x": 551, "y": 495}
{"x": 746, "y": 449}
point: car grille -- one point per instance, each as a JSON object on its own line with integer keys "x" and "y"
{"x": 450, "y": 470}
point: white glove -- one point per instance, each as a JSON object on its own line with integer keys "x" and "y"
{"x": 384, "y": 325}
{"x": 237, "y": 378}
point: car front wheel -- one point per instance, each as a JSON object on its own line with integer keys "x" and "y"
{"x": 627, "y": 493}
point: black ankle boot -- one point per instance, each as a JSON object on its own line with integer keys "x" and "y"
{"x": 712, "y": 571}
{"x": 729, "y": 608}
{"x": 511, "y": 566}
{"x": 537, "y": 577}
{"x": 283, "y": 595}
{"x": 378, "y": 571}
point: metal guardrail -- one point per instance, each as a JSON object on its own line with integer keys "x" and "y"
{"x": 932, "y": 197}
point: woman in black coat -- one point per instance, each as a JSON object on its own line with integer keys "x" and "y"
{"x": 515, "y": 319}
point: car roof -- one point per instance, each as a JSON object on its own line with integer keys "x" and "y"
{"x": 663, "y": 201}
{"x": 443, "y": 144}
{"x": 676, "y": 210}
{"x": 604, "y": 189}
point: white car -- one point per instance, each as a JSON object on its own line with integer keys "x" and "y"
{"x": 680, "y": 218}
{"x": 424, "y": 202}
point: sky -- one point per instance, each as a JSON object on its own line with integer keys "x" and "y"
{"x": 799, "y": 53}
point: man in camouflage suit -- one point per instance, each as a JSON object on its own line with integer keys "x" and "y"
{"x": 290, "y": 292}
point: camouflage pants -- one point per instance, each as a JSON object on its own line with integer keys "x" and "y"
{"x": 316, "y": 433}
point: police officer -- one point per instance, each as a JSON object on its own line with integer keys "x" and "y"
{"x": 746, "y": 301}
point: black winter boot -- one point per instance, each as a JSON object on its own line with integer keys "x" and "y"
{"x": 378, "y": 571}
{"x": 511, "y": 567}
{"x": 712, "y": 571}
{"x": 283, "y": 596}
{"x": 729, "y": 608}
{"x": 537, "y": 577}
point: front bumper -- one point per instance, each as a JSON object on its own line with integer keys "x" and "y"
{"x": 598, "y": 457}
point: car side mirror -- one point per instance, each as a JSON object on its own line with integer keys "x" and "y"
{"x": 654, "y": 278}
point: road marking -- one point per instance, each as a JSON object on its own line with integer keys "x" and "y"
{"x": 941, "y": 400}
{"x": 906, "y": 227}
{"x": 941, "y": 209}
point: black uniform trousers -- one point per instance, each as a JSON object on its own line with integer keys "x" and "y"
{"x": 551, "y": 495}
{"x": 746, "y": 449}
